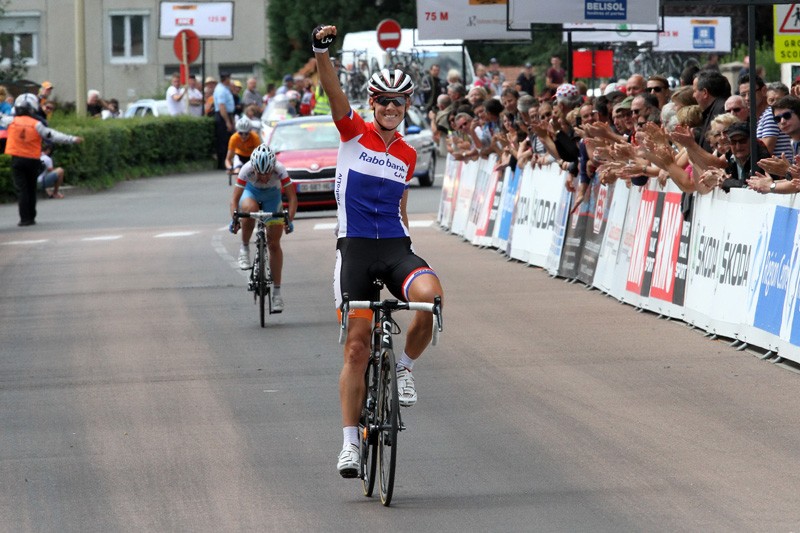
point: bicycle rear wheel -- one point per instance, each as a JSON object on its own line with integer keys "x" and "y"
{"x": 388, "y": 421}
{"x": 261, "y": 278}
{"x": 367, "y": 433}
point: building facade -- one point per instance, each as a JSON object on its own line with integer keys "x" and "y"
{"x": 125, "y": 57}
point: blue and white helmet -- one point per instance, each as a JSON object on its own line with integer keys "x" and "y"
{"x": 386, "y": 81}
{"x": 263, "y": 159}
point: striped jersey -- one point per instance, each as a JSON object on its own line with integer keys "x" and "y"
{"x": 371, "y": 179}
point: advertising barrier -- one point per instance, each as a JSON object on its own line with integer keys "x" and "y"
{"x": 732, "y": 270}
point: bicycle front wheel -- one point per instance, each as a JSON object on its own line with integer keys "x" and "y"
{"x": 261, "y": 279}
{"x": 388, "y": 421}
{"x": 368, "y": 432}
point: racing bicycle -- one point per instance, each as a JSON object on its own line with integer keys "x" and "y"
{"x": 380, "y": 415}
{"x": 260, "y": 282}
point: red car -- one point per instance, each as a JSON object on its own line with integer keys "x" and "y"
{"x": 307, "y": 147}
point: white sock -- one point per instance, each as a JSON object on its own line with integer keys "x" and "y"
{"x": 244, "y": 248}
{"x": 350, "y": 434}
{"x": 405, "y": 361}
{"x": 276, "y": 290}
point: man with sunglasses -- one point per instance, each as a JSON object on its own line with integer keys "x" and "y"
{"x": 736, "y": 106}
{"x": 786, "y": 114}
{"x": 373, "y": 169}
{"x": 740, "y": 166}
{"x": 658, "y": 86}
{"x": 767, "y": 131}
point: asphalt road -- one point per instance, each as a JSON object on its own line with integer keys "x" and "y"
{"x": 138, "y": 392}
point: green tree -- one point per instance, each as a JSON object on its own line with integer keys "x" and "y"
{"x": 290, "y": 26}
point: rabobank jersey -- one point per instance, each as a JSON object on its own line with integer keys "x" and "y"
{"x": 371, "y": 179}
{"x": 277, "y": 179}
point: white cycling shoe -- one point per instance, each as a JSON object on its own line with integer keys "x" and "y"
{"x": 349, "y": 463}
{"x": 277, "y": 304}
{"x": 244, "y": 259}
{"x": 407, "y": 392}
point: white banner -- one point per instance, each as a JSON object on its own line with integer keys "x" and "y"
{"x": 548, "y": 184}
{"x": 457, "y": 19}
{"x": 680, "y": 34}
{"x": 605, "y": 273}
{"x": 209, "y": 20}
{"x": 466, "y": 187}
{"x": 523, "y": 13}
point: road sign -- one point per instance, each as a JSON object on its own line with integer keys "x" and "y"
{"x": 389, "y": 34}
{"x": 787, "y": 33}
{"x": 189, "y": 40}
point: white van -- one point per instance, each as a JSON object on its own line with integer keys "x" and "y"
{"x": 447, "y": 53}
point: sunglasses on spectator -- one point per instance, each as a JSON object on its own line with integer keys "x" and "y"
{"x": 656, "y": 89}
{"x": 461, "y": 125}
{"x": 545, "y": 115}
{"x": 733, "y": 110}
{"x": 625, "y": 113}
{"x": 384, "y": 100}
{"x": 786, "y": 115}
{"x": 739, "y": 140}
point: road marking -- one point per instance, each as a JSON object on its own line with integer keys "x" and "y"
{"x": 39, "y": 241}
{"x": 324, "y": 225}
{"x": 102, "y": 238}
{"x": 175, "y": 234}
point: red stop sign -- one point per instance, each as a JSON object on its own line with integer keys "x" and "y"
{"x": 192, "y": 45}
{"x": 389, "y": 34}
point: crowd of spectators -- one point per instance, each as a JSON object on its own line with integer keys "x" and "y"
{"x": 697, "y": 134}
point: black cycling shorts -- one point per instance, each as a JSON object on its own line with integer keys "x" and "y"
{"x": 359, "y": 262}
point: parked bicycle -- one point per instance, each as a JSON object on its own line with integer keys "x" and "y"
{"x": 260, "y": 282}
{"x": 380, "y": 415}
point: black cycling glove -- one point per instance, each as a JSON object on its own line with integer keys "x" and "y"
{"x": 320, "y": 46}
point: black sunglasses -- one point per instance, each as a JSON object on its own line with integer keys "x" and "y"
{"x": 735, "y": 110}
{"x": 399, "y": 101}
{"x": 657, "y": 89}
{"x": 786, "y": 115}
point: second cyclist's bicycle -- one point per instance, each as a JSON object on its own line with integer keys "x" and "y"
{"x": 260, "y": 282}
{"x": 380, "y": 420}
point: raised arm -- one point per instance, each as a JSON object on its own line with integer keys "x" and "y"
{"x": 321, "y": 38}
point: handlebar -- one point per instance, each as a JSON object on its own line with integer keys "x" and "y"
{"x": 393, "y": 305}
{"x": 262, "y": 216}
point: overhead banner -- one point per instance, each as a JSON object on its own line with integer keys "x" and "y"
{"x": 523, "y": 13}
{"x": 464, "y": 19}
{"x": 680, "y": 34}
{"x": 209, "y": 20}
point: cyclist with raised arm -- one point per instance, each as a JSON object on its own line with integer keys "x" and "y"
{"x": 259, "y": 186}
{"x": 373, "y": 170}
{"x": 241, "y": 144}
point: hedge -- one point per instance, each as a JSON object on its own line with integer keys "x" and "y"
{"x": 116, "y": 150}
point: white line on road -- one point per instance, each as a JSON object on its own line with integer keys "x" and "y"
{"x": 102, "y": 238}
{"x": 175, "y": 234}
{"x": 39, "y": 241}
